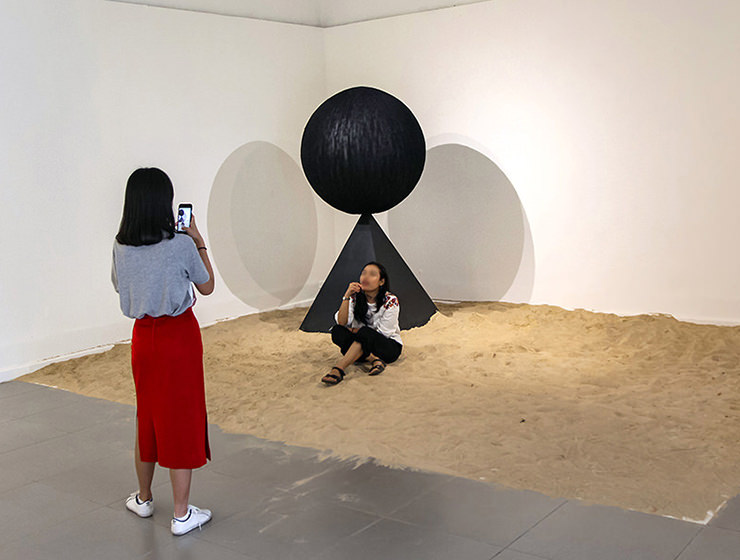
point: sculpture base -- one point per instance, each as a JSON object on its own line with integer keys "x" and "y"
{"x": 366, "y": 243}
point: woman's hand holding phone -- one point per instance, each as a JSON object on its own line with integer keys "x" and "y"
{"x": 192, "y": 231}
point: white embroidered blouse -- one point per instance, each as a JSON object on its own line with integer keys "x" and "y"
{"x": 384, "y": 320}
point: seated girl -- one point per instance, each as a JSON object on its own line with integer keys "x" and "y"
{"x": 367, "y": 324}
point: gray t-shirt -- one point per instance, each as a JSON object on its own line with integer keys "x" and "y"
{"x": 157, "y": 280}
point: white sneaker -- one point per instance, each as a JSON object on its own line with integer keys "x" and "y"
{"x": 142, "y": 509}
{"x": 195, "y": 517}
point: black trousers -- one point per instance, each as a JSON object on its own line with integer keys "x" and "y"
{"x": 372, "y": 343}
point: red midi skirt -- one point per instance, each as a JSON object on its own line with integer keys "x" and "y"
{"x": 167, "y": 361}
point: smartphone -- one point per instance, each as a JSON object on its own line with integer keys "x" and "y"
{"x": 184, "y": 216}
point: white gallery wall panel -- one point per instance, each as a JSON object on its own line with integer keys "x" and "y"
{"x": 92, "y": 90}
{"x": 616, "y": 122}
{"x": 464, "y": 220}
{"x": 616, "y": 125}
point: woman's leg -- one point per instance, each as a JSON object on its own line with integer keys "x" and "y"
{"x": 378, "y": 346}
{"x": 342, "y": 337}
{"x": 180, "y": 479}
{"x": 353, "y": 353}
{"x": 144, "y": 471}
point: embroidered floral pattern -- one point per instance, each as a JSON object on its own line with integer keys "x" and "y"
{"x": 390, "y": 301}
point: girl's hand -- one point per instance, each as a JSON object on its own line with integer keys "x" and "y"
{"x": 193, "y": 232}
{"x": 353, "y": 288}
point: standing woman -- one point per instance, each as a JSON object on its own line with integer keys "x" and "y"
{"x": 154, "y": 269}
{"x": 367, "y": 324}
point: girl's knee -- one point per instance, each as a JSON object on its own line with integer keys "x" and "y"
{"x": 338, "y": 333}
{"x": 364, "y": 333}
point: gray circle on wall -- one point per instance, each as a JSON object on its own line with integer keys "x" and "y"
{"x": 463, "y": 228}
{"x": 262, "y": 225}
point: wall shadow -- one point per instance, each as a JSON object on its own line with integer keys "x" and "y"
{"x": 464, "y": 231}
{"x": 262, "y": 224}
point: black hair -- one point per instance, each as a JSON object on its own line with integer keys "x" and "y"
{"x": 147, "y": 208}
{"x": 360, "y": 310}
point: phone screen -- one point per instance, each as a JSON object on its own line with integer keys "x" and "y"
{"x": 184, "y": 216}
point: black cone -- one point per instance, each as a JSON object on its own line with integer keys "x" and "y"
{"x": 366, "y": 243}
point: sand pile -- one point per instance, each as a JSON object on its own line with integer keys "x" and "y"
{"x": 638, "y": 412}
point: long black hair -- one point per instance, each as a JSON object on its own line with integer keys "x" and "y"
{"x": 147, "y": 209}
{"x": 361, "y": 301}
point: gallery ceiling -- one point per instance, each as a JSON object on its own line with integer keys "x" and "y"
{"x": 317, "y": 13}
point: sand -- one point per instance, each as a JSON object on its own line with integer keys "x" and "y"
{"x": 636, "y": 412}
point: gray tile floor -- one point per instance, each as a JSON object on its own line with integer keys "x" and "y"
{"x": 66, "y": 466}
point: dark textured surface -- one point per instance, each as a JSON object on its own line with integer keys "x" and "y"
{"x": 363, "y": 151}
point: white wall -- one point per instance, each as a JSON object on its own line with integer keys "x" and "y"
{"x": 90, "y": 91}
{"x": 618, "y": 124}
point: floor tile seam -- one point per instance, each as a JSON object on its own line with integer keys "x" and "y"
{"x": 109, "y": 451}
{"x": 343, "y": 506}
{"x": 198, "y": 536}
{"x": 218, "y": 520}
{"x": 533, "y": 555}
{"x": 542, "y": 519}
{"x": 114, "y": 451}
{"x": 346, "y": 538}
{"x": 47, "y": 485}
{"x": 46, "y": 440}
{"x": 414, "y": 525}
{"x": 23, "y": 485}
{"x": 423, "y": 493}
{"x": 35, "y": 534}
{"x": 512, "y": 545}
{"x": 25, "y": 390}
{"x": 173, "y": 544}
{"x": 215, "y": 469}
{"x": 360, "y": 509}
{"x": 235, "y": 547}
{"x": 442, "y": 530}
{"x": 376, "y": 519}
{"x": 385, "y": 513}
{"x": 733, "y": 529}
{"x": 80, "y": 431}
{"x": 25, "y": 416}
{"x": 699, "y": 532}
{"x": 99, "y": 505}
{"x": 30, "y": 444}
{"x": 33, "y": 480}
{"x": 223, "y": 458}
{"x": 121, "y": 500}
{"x": 74, "y": 404}
{"x": 688, "y": 544}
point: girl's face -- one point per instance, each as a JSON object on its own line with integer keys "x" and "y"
{"x": 370, "y": 278}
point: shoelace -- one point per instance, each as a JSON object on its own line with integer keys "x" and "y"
{"x": 191, "y": 510}
{"x": 200, "y": 522}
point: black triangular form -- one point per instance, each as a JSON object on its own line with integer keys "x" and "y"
{"x": 366, "y": 243}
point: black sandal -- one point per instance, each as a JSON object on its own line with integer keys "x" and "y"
{"x": 377, "y": 370}
{"x": 332, "y": 378}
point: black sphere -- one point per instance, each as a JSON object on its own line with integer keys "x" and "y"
{"x": 363, "y": 151}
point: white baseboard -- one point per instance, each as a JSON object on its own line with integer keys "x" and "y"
{"x": 18, "y": 371}
{"x": 15, "y": 372}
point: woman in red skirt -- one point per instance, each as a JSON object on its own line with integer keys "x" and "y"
{"x": 154, "y": 270}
